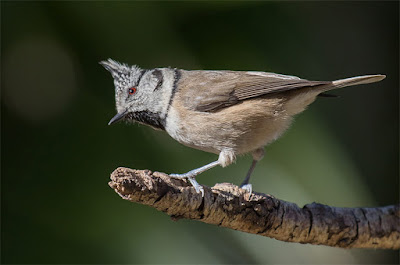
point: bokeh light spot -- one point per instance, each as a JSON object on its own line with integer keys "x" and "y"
{"x": 39, "y": 79}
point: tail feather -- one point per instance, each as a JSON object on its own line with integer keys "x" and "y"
{"x": 357, "y": 80}
{"x": 297, "y": 104}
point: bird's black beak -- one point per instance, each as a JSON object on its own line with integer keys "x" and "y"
{"x": 118, "y": 117}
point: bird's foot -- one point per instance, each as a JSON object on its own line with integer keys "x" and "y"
{"x": 191, "y": 176}
{"x": 247, "y": 187}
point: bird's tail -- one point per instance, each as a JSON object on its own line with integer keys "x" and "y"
{"x": 297, "y": 104}
{"x": 357, "y": 80}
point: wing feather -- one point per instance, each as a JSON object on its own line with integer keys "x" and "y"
{"x": 209, "y": 91}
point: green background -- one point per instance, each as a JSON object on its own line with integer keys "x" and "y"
{"x": 57, "y": 151}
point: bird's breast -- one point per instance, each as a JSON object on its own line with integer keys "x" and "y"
{"x": 242, "y": 128}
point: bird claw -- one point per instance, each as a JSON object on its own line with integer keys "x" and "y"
{"x": 191, "y": 178}
{"x": 247, "y": 187}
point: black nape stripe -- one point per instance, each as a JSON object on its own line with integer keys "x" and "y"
{"x": 177, "y": 77}
{"x": 159, "y": 75}
{"x": 142, "y": 72}
{"x": 148, "y": 118}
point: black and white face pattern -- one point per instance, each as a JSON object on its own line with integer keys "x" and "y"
{"x": 126, "y": 81}
{"x": 142, "y": 95}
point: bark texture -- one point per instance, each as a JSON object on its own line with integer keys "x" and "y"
{"x": 229, "y": 206}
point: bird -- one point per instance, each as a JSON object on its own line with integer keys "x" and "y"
{"x": 228, "y": 113}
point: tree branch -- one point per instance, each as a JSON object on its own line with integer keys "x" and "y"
{"x": 229, "y": 206}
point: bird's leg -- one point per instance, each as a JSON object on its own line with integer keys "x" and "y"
{"x": 226, "y": 157}
{"x": 251, "y": 169}
{"x": 258, "y": 154}
{"x": 193, "y": 173}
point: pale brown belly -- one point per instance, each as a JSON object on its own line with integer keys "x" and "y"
{"x": 241, "y": 128}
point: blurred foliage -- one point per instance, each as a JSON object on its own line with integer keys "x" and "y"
{"x": 57, "y": 151}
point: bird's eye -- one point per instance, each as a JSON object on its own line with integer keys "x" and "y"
{"x": 132, "y": 90}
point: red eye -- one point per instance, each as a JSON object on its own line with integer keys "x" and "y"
{"x": 132, "y": 90}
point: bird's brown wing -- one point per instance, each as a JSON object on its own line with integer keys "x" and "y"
{"x": 209, "y": 91}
